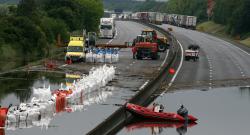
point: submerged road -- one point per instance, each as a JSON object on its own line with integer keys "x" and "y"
{"x": 221, "y": 63}
{"x": 130, "y": 76}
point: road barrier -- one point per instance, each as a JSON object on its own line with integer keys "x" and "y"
{"x": 148, "y": 94}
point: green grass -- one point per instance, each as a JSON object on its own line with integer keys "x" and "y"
{"x": 246, "y": 42}
{"x": 213, "y": 28}
{"x": 219, "y": 30}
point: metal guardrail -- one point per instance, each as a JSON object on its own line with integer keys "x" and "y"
{"x": 148, "y": 94}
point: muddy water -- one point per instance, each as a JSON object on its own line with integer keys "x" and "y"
{"x": 223, "y": 111}
{"x": 17, "y": 88}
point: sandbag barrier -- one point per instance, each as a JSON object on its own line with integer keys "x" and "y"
{"x": 102, "y": 55}
{"x": 46, "y": 104}
{"x": 144, "y": 97}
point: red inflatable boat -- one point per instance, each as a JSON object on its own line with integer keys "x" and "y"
{"x": 3, "y": 113}
{"x": 150, "y": 114}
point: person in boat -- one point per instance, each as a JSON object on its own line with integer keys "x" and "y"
{"x": 158, "y": 108}
{"x": 161, "y": 108}
{"x": 10, "y": 105}
{"x": 182, "y": 111}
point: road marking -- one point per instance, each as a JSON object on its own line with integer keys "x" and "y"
{"x": 63, "y": 65}
{"x": 164, "y": 61}
{"x": 240, "y": 69}
{"x": 236, "y": 47}
{"x": 144, "y": 85}
{"x": 179, "y": 68}
{"x": 113, "y": 37}
{"x": 210, "y": 72}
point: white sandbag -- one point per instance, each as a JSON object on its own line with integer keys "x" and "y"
{"x": 43, "y": 94}
{"x": 89, "y": 57}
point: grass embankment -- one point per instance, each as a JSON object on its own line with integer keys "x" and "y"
{"x": 13, "y": 58}
{"x": 220, "y": 30}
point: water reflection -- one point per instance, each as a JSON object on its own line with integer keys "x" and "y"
{"x": 21, "y": 83}
{"x": 44, "y": 118}
{"x": 2, "y": 132}
{"x": 70, "y": 78}
{"x": 157, "y": 127}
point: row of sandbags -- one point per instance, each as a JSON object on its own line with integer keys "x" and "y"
{"x": 45, "y": 104}
{"x": 97, "y": 78}
{"x": 97, "y": 55}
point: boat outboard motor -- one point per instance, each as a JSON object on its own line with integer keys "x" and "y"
{"x": 182, "y": 130}
{"x": 183, "y": 112}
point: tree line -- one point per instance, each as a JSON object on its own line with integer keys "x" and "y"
{"x": 235, "y": 15}
{"x": 29, "y": 29}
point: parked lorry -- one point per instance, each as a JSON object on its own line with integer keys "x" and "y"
{"x": 191, "y": 22}
{"x": 162, "y": 42}
{"x": 155, "y": 17}
{"x": 107, "y": 28}
{"x": 76, "y": 49}
{"x": 192, "y": 53}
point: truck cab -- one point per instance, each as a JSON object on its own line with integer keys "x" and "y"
{"x": 107, "y": 28}
{"x": 144, "y": 48}
{"x": 161, "y": 41}
{"x": 75, "y": 49}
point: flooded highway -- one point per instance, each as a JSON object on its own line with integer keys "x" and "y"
{"x": 17, "y": 87}
{"x": 220, "y": 111}
{"x": 75, "y": 119}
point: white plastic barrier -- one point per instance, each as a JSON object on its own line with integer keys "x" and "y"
{"x": 98, "y": 55}
{"x": 90, "y": 57}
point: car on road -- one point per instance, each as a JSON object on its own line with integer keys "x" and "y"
{"x": 192, "y": 53}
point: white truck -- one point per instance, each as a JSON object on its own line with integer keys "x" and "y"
{"x": 107, "y": 28}
{"x": 191, "y": 22}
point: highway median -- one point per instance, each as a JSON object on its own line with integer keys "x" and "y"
{"x": 148, "y": 94}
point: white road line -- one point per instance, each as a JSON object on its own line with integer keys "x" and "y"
{"x": 63, "y": 65}
{"x": 210, "y": 72}
{"x": 229, "y": 44}
{"x": 144, "y": 85}
{"x": 113, "y": 37}
{"x": 162, "y": 64}
{"x": 179, "y": 68}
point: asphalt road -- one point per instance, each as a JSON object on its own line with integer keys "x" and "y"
{"x": 221, "y": 63}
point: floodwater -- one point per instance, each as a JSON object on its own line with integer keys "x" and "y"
{"x": 17, "y": 88}
{"x": 223, "y": 111}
